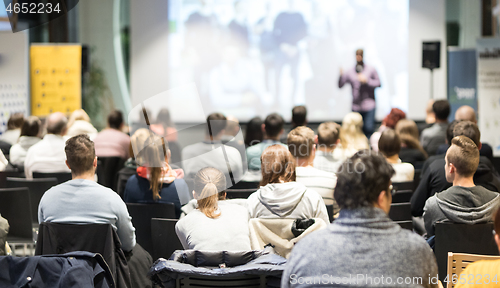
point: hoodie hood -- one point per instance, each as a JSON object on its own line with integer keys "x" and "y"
{"x": 464, "y": 214}
{"x": 281, "y": 198}
{"x": 27, "y": 141}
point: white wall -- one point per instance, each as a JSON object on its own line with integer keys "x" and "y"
{"x": 427, "y": 23}
{"x": 149, "y": 36}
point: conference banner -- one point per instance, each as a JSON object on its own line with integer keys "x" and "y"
{"x": 488, "y": 92}
{"x": 462, "y": 81}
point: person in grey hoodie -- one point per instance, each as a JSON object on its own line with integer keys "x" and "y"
{"x": 279, "y": 195}
{"x": 30, "y": 135}
{"x": 363, "y": 247}
{"x": 464, "y": 202}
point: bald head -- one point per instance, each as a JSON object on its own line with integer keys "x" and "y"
{"x": 56, "y": 123}
{"x": 466, "y": 113}
{"x": 232, "y": 126}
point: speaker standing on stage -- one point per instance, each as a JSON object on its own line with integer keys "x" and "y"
{"x": 363, "y": 79}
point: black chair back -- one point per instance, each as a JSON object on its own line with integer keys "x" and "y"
{"x": 107, "y": 171}
{"x": 329, "y": 209}
{"x": 141, "y": 219}
{"x": 400, "y": 212}
{"x": 405, "y": 224}
{"x": 404, "y": 186}
{"x": 165, "y": 240}
{"x": 16, "y": 208}
{"x": 402, "y": 196}
{"x": 239, "y": 193}
{"x": 246, "y": 185}
{"x": 60, "y": 176}
{"x": 37, "y": 188}
{"x": 496, "y": 163}
{"x": 5, "y": 174}
{"x": 462, "y": 238}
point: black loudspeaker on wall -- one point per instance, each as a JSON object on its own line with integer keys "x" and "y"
{"x": 431, "y": 54}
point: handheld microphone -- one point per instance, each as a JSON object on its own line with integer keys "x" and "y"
{"x": 359, "y": 68}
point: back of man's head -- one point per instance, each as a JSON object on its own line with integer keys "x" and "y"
{"x": 56, "y": 123}
{"x": 216, "y": 123}
{"x": 301, "y": 142}
{"x": 31, "y": 127}
{"x": 15, "y": 121}
{"x": 232, "y": 126}
{"x": 389, "y": 143}
{"x": 360, "y": 180}
{"x": 328, "y": 134}
{"x": 464, "y": 155}
{"x": 466, "y": 112}
{"x": 115, "y": 119}
{"x": 273, "y": 125}
{"x": 299, "y": 116}
{"x": 441, "y": 109}
{"x": 80, "y": 154}
{"x": 468, "y": 129}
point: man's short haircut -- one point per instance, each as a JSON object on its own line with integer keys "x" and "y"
{"x": 449, "y": 131}
{"x": 15, "y": 121}
{"x": 115, "y": 119}
{"x": 360, "y": 180}
{"x": 328, "y": 134}
{"x": 469, "y": 129}
{"x": 441, "y": 109}
{"x": 216, "y": 123}
{"x": 80, "y": 154}
{"x": 56, "y": 127}
{"x": 301, "y": 141}
{"x": 273, "y": 124}
{"x": 389, "y": 143}
{"x": 299, "y": 115}
{"x": 464, "y": 155}
{"x": 31, "y": 126}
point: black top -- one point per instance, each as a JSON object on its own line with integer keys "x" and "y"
{"x": 413, "y": 156}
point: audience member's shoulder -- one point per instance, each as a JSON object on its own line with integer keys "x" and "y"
{"x": 437, "y": 164}
{"x": 413, "y": 241}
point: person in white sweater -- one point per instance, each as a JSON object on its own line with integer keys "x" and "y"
{"x": 30, "y": 135}
{"x": 389, "y": 145}
{"x": 216, "y": 225}
{"x": 279, "y": 195}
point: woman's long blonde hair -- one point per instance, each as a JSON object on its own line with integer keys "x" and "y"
{"x": 209, "y": 187}
{"x": 352, "y": 135}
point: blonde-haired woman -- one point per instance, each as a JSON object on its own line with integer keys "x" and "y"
{"x": 216, "y": 225}
{"x": 352, "y": 138}
{"x": 79, "y": 123}
{"x": 411, "y": 150}
{"x": 155, "y": 181}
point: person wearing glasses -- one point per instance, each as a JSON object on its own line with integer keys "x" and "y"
{"x": 389, "y": 145}
{"x": 301, "y": 144}
{"x": 363, "y": 243}
{"x": 464, "y": 202}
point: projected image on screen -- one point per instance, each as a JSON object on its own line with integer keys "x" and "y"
{"x": 253, "y": 57}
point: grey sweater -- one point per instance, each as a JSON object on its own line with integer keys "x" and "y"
{"x": 467, "y": 205}
{"x": 360, "y": 247}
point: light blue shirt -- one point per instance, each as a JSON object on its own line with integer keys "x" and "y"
{"x": 254, "y": 152}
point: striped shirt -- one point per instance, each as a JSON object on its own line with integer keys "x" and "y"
{"x": 320, "y": 181}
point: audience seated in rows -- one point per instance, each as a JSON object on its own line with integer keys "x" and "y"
{"x": 155, "y": 181}
{"x": 30, "y": 135}
{"x": 432, "y": 137}
{"x": 389, "y": 145}
{"x": 352, "y": 138}
{"x": 254, "y": 134}
{"x": 389, "y": 122}
{"x": 272, "y": 129}
{"x": 433, "y": 179}
{"x": 280, "y": 196}
{"x": 48, "y": 154}
{"x": 483, "y": 267}
{"x": 466, "y": 113}
{"x": 164, "y": 126}
{"x": 14, "y": 124}
{"x": 464, "y": 202}
{"x": 212, "y": 153}
{"x": 216, "y": 224}
{"x": 411, "y": 150}
{"x": 301, "y": 146}
{"x": 112, "y": 142}
{"x": 83, "y": 201}
{"x": 362, "y": 243}
{"x": 79, "y": 123}
{"x": 327, "y": 140}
